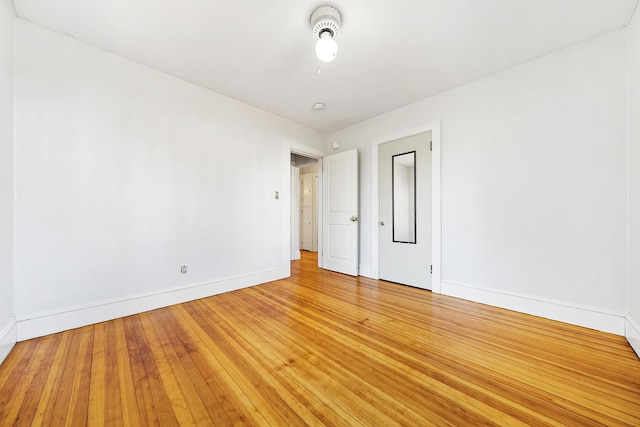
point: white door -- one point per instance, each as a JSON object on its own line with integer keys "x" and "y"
{"x": 340, "y": 227}
{"x": 405, "y": 211}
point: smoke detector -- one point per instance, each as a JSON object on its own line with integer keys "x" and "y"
{"x": 325, "y": 23}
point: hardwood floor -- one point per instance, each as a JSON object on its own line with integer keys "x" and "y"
{"x": 323, "y": 349}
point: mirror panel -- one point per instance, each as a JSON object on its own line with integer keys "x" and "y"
{"x": 404, "y": 197}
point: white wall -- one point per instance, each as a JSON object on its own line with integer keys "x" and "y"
{"x": 633, "y": 318}
{"x": 123, "y": 174}
{"x": 533, "y": 184}
{"x": 7, "y": 321}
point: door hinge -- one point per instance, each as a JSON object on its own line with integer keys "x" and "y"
{"x": 430, "y": 145}
{"x": 431, "y": 269}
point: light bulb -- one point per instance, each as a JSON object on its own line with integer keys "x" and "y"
{"x": 326, "y": 47}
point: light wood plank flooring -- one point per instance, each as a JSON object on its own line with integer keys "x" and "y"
{"x": 323, "y": 349}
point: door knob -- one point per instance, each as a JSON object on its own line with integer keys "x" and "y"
{"x": 381, "y": 222}
{"x": 355, "y": 219}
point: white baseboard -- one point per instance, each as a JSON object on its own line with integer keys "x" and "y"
{"x": 632, "y": 333}
{"x": 40, "y": 324}
{"x": 575, "y": 314}
{"x": 8, "y": 338}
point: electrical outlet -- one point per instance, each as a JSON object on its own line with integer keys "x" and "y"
{"x": 183, "y": 269}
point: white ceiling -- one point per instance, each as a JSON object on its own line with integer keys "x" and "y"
{"x": 390, "y": 53}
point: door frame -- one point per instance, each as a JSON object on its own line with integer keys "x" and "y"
{"x": 289, "y": 148}
{"x": 436, "y": 199}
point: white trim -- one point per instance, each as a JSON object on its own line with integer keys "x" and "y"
{"x": 632, "y": 333}
{"x": 285, "y": 199}
{"x": 436, "y": 209}
{"x": 575, "y": 314}
{"x": 45, "y": 323}
{"x": 436, "y": 200}
{"x": 319, "y": 213}
{"x": 305, "y": 151}
{"x": 8, "y": 338}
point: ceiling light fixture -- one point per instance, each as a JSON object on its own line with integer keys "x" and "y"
{"x": 325, "y": 22}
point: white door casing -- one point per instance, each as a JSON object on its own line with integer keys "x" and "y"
{"x": 315, "y": 212}
{"x": 400, "y": 261}
{"x": 340, "y": 226}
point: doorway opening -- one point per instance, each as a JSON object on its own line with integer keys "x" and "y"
{"x": 337, "y": 213}
{"x": 304, "y": 205}
{"x": 290, "y": 224}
